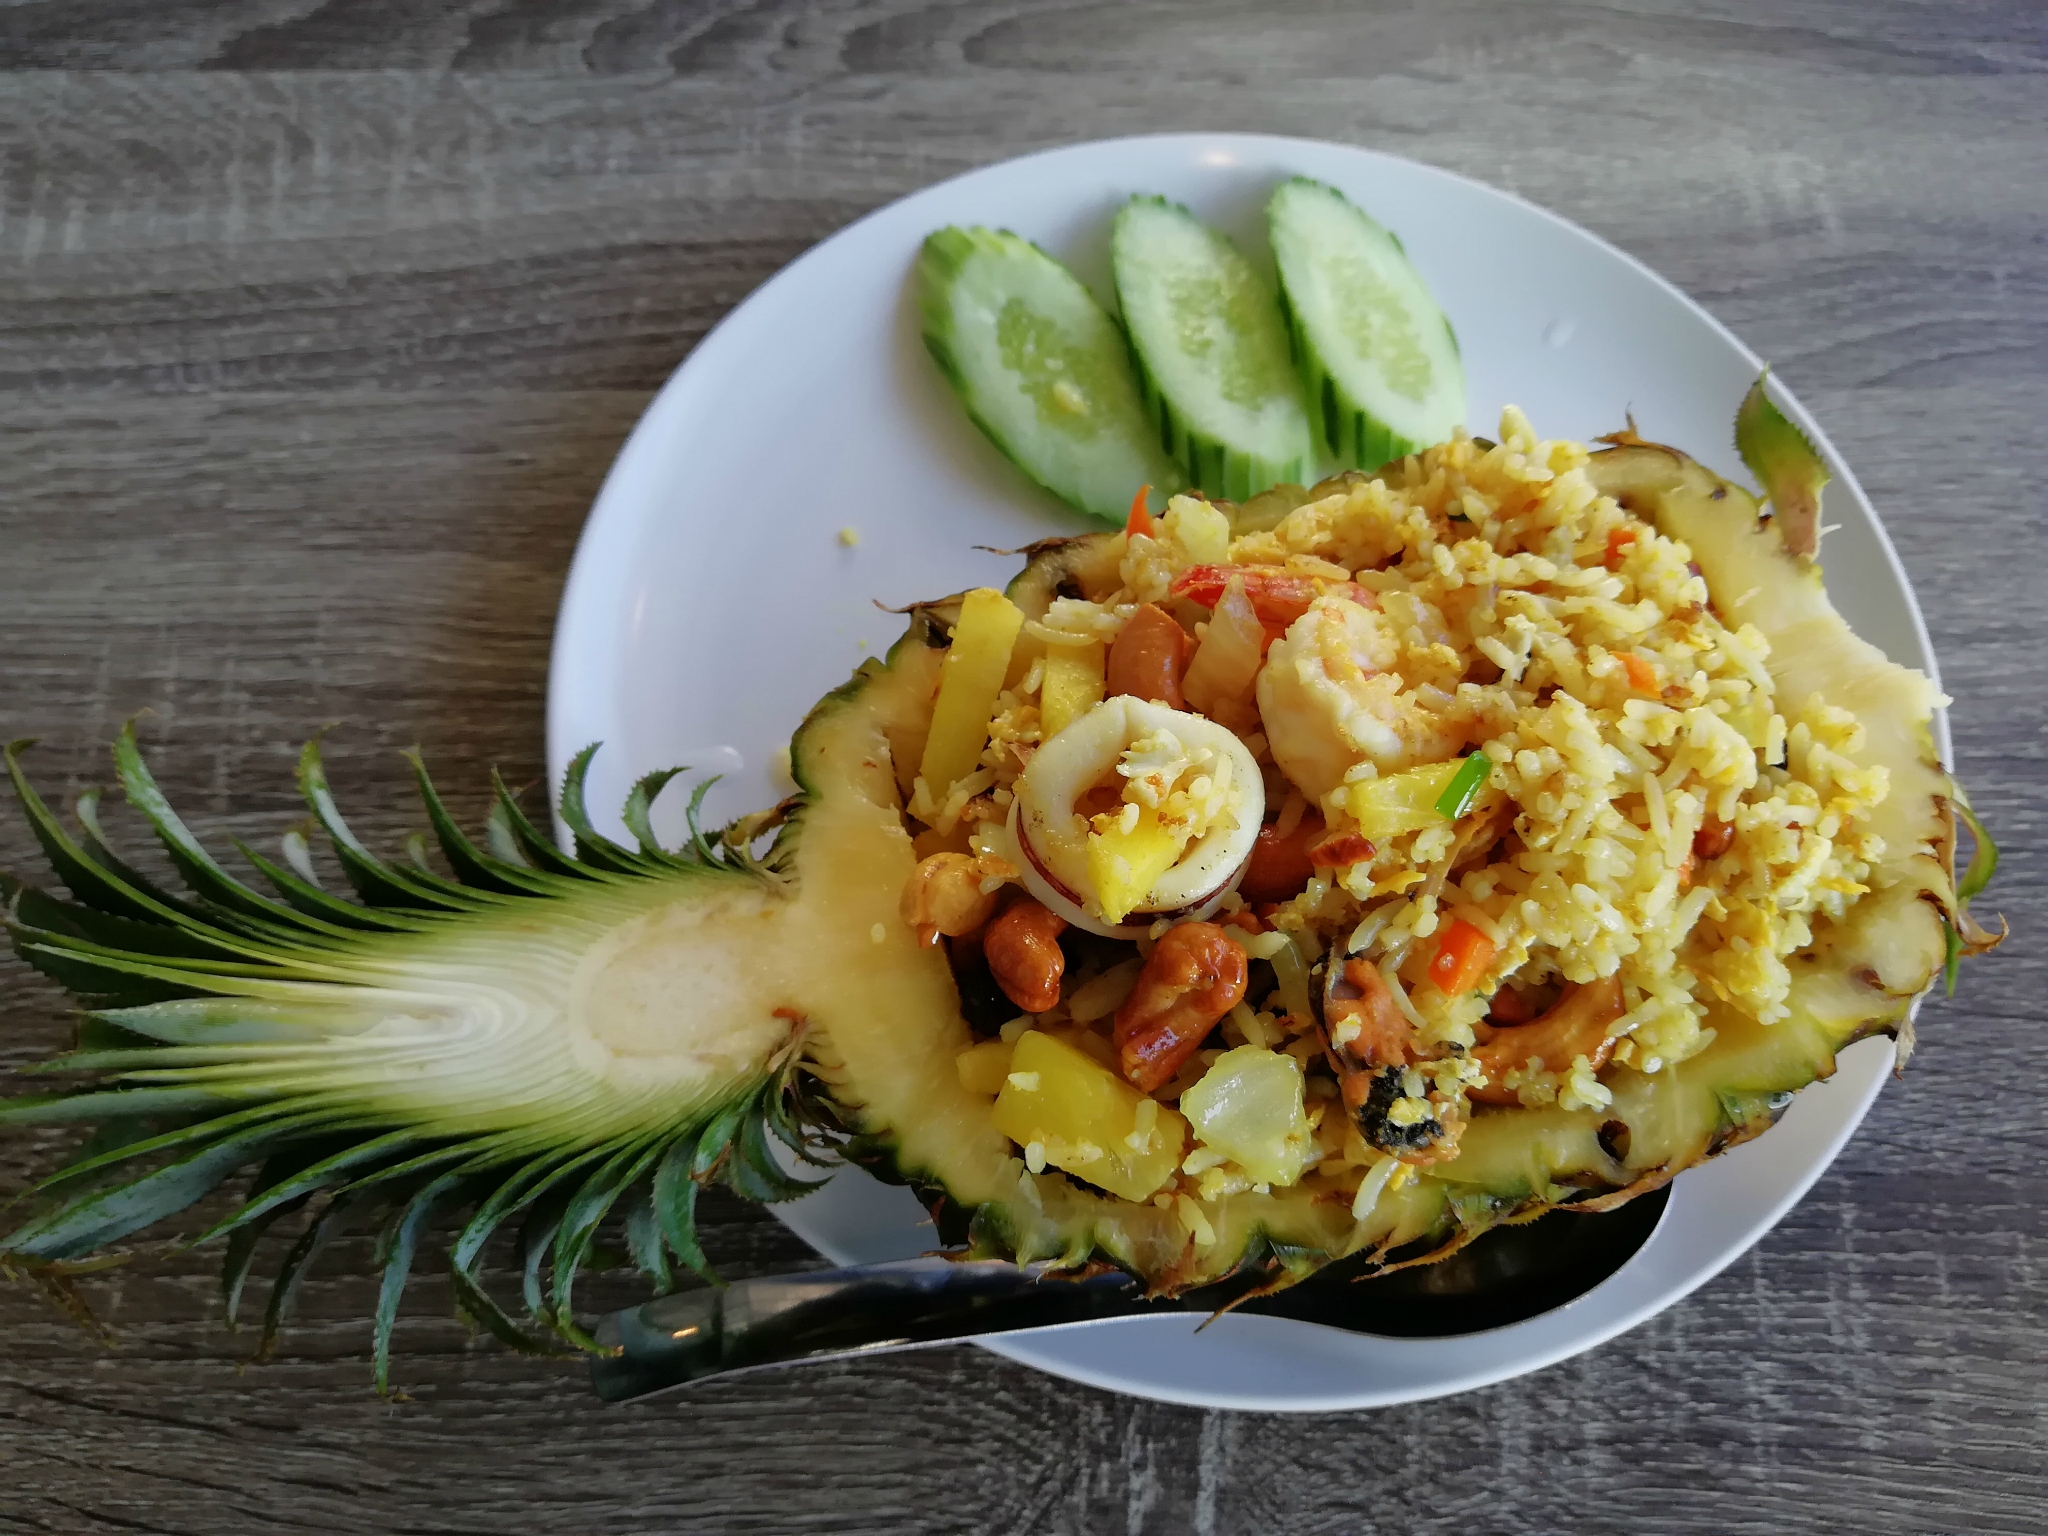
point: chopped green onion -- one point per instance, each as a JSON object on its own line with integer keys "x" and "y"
{"x": 1465, "y": 785}
{"x": 1983, "y": 860}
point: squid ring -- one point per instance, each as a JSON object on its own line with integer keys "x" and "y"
{"x": 1051, "y": 832}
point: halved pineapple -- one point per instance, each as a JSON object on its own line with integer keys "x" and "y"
{"x": 1860, "y": 977}
{"x": 557, "y": 1036}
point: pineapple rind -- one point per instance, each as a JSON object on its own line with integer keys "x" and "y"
{"x": 1514, "y": 1163}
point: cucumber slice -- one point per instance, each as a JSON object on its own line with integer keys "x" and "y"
{"x": 1211, "y": 347}
{"x": 1041, "y": 368}
{"x": 1378, "y": 357}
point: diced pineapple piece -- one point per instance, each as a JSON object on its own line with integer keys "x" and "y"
{"x": 968, "y": 684}
{"x": 1072, "y": 686}
{"x": 1248, "y": 1106}
{"x": 984, "y": 1067}
{"x": 1086, "y": 1120}
{"x": 1400, "y": 802}
{"x": 1124, "y": 866}
{"x": 1201, "y": 530}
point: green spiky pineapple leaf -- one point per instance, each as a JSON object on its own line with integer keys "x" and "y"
{"x": 1983, "y": 858}
{"x": 1787, "y": 466}
{"x": 428, "y": 1046}
{"x": 1963, "y": 933}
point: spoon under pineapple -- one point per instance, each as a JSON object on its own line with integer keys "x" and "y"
{"x": 1506, "y": 1275}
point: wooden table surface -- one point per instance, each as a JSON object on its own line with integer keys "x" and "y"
{"x": 320, "y": 321}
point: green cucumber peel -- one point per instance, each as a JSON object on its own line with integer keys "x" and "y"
{"x": 1042, "y": 369}
{"x": 1212, "y": 352}
{"x": 1379, "y": 360}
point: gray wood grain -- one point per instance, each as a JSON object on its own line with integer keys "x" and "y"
{"x": 319, "y": 323}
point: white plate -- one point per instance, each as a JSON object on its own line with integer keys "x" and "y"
{"x": 711, "y": 601}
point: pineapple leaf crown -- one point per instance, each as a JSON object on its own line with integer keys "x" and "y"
{"x": 200, "y": 1004}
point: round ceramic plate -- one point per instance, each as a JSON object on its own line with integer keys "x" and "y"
{"x": 715, "y": 595}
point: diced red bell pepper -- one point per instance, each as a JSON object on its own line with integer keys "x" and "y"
{"x": 1140, "y": 520}
{"x": 1277, "y": 597}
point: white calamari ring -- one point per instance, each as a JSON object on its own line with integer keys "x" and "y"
{"x": 1051, "y": 834}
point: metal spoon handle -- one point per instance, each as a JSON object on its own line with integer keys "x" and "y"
{"x": 1504, "y": 1277}
{"x": 780, "y": 1319}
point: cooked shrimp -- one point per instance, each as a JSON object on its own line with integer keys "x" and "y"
{"x": 1576, "y": 1026}
{"x": 1330, "y": 699}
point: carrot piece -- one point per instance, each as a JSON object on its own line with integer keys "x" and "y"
{"x": 1462, "y": 956}
{"x": 1140, "y": 520}
{"x": 1641, "y": 675}
{"x": 1618, "y": 542}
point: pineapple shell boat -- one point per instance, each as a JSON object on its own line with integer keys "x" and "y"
{"x": 547, "y": 1039}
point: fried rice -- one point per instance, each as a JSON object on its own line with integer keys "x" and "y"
{"x": 1650, "y": 814}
